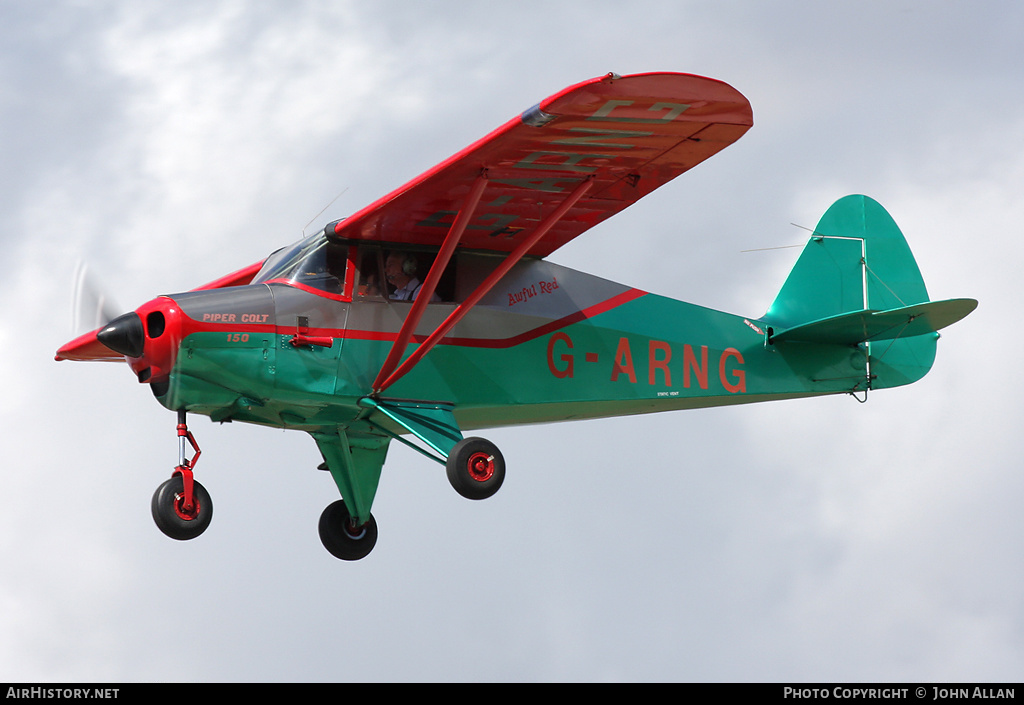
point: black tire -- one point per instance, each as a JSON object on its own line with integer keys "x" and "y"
{"x": 341, "y": 539}
{"x": 168, "y": 515}
{"x": 475, "y": 468}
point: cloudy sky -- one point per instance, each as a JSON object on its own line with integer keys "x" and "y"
{"x": 169, "y": 143}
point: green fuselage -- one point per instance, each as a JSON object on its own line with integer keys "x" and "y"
{"x": 548, "y": 344}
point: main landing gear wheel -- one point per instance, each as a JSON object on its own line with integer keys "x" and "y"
{"x": 170, "y": 514}
{"x": 475, "y": 468}
{"x": 342, "y": 538}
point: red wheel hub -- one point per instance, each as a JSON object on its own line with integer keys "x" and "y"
{"x": 481, "y": 466}
{"x": 179, "y": 508}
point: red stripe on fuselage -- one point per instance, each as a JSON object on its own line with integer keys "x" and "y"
{"x": 193, "y": 326}
{"x": 589, "y": 312}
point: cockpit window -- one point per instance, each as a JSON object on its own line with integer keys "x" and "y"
{"x": 397, "y": 274}
{"x": 370, "y": 274}
{"x": 314, "y": 261}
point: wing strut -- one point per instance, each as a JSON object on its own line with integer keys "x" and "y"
{"x": 485, "y": 286}
{"x": 412, "y": 320}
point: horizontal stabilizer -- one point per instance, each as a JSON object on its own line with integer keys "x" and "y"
{"x": 861, "y": 326}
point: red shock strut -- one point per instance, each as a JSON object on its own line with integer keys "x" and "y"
{"x": 186, "y": 466}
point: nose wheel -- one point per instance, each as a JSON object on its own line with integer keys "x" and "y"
{"x": 182, "y": 507}
{"x": 172, "y": 514}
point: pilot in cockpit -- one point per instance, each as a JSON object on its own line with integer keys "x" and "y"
{"x": 400, "y": 269}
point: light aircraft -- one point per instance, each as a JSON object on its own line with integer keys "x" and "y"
{"x": 433, "y": 310}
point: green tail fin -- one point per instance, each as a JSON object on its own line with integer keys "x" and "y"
{"x": 830, "y": 275}
{"x": 857, "y": 283}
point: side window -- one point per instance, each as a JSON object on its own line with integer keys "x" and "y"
{"x": 473, "y": 269}
{"x": 370, "y": 282}
{"x": 397, "y": 274}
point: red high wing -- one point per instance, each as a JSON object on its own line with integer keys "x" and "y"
{"x": 630, "y": 133}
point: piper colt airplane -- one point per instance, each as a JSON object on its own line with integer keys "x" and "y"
{"x": 433, "y": 311}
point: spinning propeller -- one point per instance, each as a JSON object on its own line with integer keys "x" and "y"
{"x": 91, "y": 306}
{"x": 92, "y": 309}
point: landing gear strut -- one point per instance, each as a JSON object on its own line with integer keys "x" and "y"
{"x": 182, "y": 507}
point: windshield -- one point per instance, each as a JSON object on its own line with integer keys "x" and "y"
{"x": 313, "y": 262}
